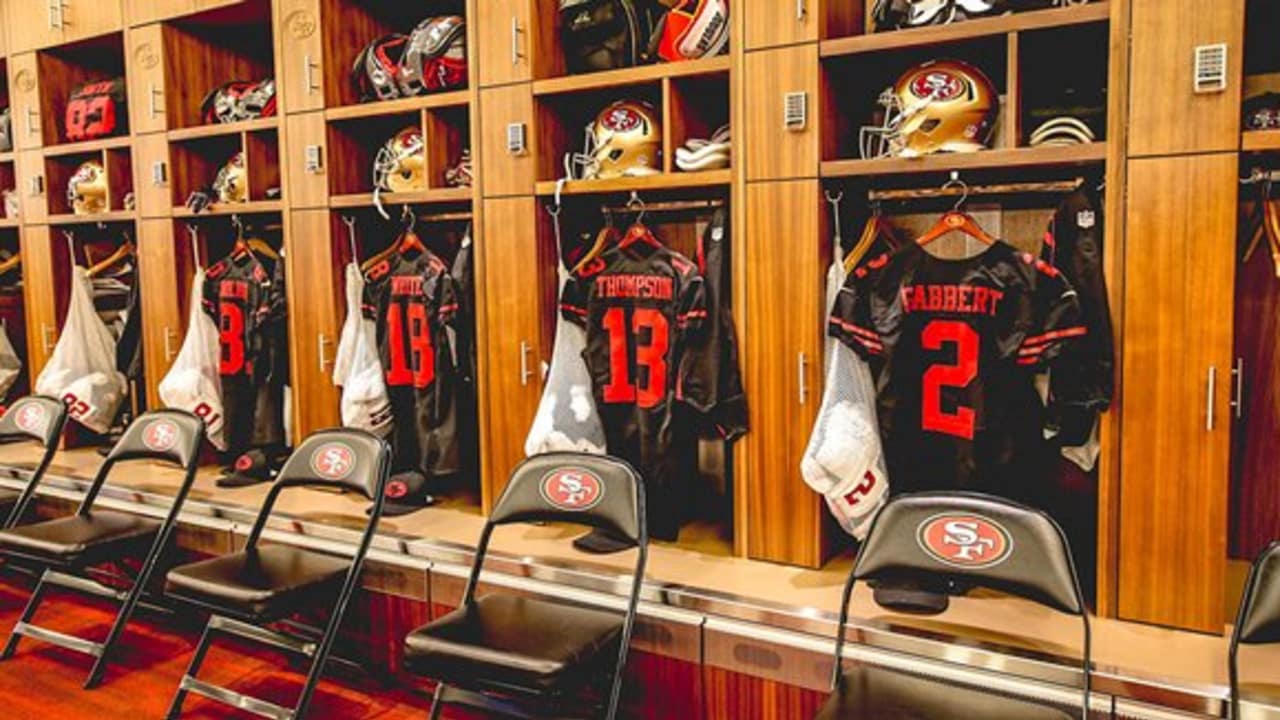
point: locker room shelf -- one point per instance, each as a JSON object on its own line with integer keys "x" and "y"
{"x": 6, "y": 157}
{"x": 631, "y": 76}
{"x": 207, "y": 131}
{"x": 89, "y": 146}
{"x": 664, "y": 181}
{"x": 426, "y": 197}
{"x": 1001, "y": 159}
{"x": 248, "y": 208}
{"x": 70, "y": 219}
{"x": 455, "y": 98}
{"x": 967, "y": 30}
{"x": 1260, "y": 140}
{"x": 6, "y": 223}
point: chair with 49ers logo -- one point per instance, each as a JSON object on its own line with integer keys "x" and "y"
{"x": 36, "y": 418}
{"x": 250, "y": 593}
{"x": 78, "y": 552}
{"x": 959, "y": 540}
{"x": 532, "y": 657}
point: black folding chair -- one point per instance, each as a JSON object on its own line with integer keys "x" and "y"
{"x": 526, "y": 657}
{"x": 1258, "y": 622}
{"x": 36, "y": 418}
{"x": 968, "y": 540}
{"x": 249, "y": 591}
{"x": 69, "y": 548}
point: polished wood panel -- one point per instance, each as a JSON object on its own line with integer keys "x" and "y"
{"x": 307, "y": 188}
{"x": 506, "y": 173}
{"x": 142, "y": 12}
{"x": 784, "y": 312}
{"x": 33, "y": 187}
{"x": 743, "y": 697}
{"x": 999, "y": 158}
{"x": 164, "y": 301}
{"x": 1179, "y": 265}
{"x": 770, "y": 23}
{"x": 39, "y": 297}
{"x": 145, "y": 72}
{"x": 83, "y": 19}
{"x": 505, "y": 41}
{"x": 771, "y": 151}
{"x": 1167, "y": 116}
{"x": 24, "y": 99}
{"x": 37, "y": 24}
{"x": 150, "y": 183}
{"x": 313, "y": 286}
{"x": 302, "y": 64}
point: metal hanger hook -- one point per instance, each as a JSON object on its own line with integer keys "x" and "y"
{"x": 350, "y": 222}
{"x": 238, "y": 224}
{"x": 408, "y": 217}
{"x": 193, "y": 231}
{"x": 964, "y": 190}
{"x": 635, "y": 204}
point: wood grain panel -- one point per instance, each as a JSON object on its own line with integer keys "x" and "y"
{"x": 145, "y": 72}
{"x": 376, "y": 625}
{"x": 771, "y": 151}
{"x": 36, "y": 24}
{"x": 1168, "y": 117}
{"x": 39, "y": 297}
{"x": 779, "y": 22}
{"x": 89, "y": 18}
{"x": 164, "y": 301}
{"x": 24, "y": 99}
{"x": 151, "y": 189}
{"x": 307, "y": 189}
{"x": 142, "y": 12}
{"x": 503, "y": 58}
{"x": 784, "y": 311}
{"x": 33, "y": 187}
{"x": 743, "y": 697}
{"x": 1179, "y": 265}
{"x": 314, "y": 320}
{"x": 505, "y": 173}
{"x": 301, "y": 67}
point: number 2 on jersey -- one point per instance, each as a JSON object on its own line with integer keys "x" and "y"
{"x": 966, "y": 341}
{"x": 652, "y": 356}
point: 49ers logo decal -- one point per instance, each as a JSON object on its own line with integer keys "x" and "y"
{"x": 622, "y": 119}
{"x": 573, "y": 489}
{"x": 333, "y": 461}
{"x": 160, "y": 435}
{"x": 31, "y": 417}
{"x": 938, "y": 85}
{"x": 965, "y": 541}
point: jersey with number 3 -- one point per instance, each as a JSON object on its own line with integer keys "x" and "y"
{"x": 955, "y": 346}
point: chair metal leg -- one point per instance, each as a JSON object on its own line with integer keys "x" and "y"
{"x": 193, "y": 669}
{"x": 436, "y": 706}
{"x": 126, "y": 609}
{"x": 29, "y": 612}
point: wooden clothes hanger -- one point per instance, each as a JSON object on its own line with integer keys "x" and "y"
{"x": 12, "y": 263}
{"x": 876, "y": 228}
{"x": 956, "y": 220}
{"x": 638, "y": 232}
{"x": 607, "y": 235}
{"x": 121, "y": 254}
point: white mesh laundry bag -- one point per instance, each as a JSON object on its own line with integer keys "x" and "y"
{"x": 844, "y": 461}
{"x": 193, "y": 383}
{"x": 357, "y": 368}
{"x": 82, "y": 369}
{"x": 10, "y": 363}
{"x": 342, "y": 361}
{"x": 567, "y": 419}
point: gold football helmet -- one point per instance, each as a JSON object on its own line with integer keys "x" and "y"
{"x": 939, "y": 106}
{"x": 232, "y": 183}
{"x": 624, "y": 141}
{"x": 401, "y": 165}
{"x": 87, "y": 189}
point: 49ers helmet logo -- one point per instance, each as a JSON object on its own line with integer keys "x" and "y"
{"x": 622, "y": 119}
{"x": 965, "y": 541}
{"x": 160, "y": 435}
{"x": 939, "y": 85}
{"x": 31, "y": 417}
{"x": 573, "y": 489}
{"x": 333, "y": 461}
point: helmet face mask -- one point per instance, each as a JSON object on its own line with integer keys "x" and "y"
{"x": 625, "y": 140}
{"x": 231, "y": 185}
{"x": 87, "y": 189}
{"x": 939, "y": 106}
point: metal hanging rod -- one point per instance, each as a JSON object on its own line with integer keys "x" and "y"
{"x": 671, "y": 206}
{"x": 446, "y": 217}
{"x": 1259, "y": 175}
{"x": 958, "y": 190}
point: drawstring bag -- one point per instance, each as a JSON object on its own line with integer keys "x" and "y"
{"x": 82, "y": 369}
{"x": 357, "y": 369}
{"x": 193, "y": 383}
{"x": 10, "y": 363}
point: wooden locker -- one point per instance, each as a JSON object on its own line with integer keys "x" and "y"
{"x": 1176, "y": 358}
{"x": 780, "y": 22}
{"x": 300, "y": 62}
{"x": 306, "y": 160}
{"x": 39, "y": 297}
{"x": 504, "y": 41}
{"x": 1165, "y": 114}
{"x": 314, "y": 321}
{"x": 81, "y": 19}
{"x": 32, "y": 25}
{"x": 772, "y": 150}
{"x": 507, "y": 173}
{"x": 782, "y": 363}
{"x": 144, "y": 60}
{"x": 33, "y": 191}
{"x": 510, "y": 321}
{"x": 164, "y": 298}
{"x": 24, "y": 99}
{"x": 142, "y": 12}
{"x": 151, "y": 175}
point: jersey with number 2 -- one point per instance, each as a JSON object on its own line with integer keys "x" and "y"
{"x": 955, "y": 346}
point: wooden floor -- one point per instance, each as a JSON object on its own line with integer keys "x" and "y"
{"x": 43, "y": 682}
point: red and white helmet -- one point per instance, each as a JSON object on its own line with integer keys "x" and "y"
{"x": 624, "y": 141}
{"x": 694, "y": 29}
{"x": 435, "y": 56}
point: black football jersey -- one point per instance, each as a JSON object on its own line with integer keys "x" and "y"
{"x": 955, "y": 346}
{"x": 412, "y": 301}
{"x": 643, "y": 308}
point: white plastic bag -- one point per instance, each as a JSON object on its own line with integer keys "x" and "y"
{"x": 343, "y": 360}
{"x": 10, "y": 363}
{"x": 567, "y": 419}
{"x": 193, "y": 383}
{"x": 358, "y": 367}
{"x": 82, "y": 369}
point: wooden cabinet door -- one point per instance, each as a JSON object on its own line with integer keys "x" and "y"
{"x": 164, "y": 295}
{"x": 300, "y": 63}
{"x": 1166, "y": 115}
{"x": 510, "y": 322}
{"x": 315, "y": 320}
{"x": 308, "y": 181}
{"x": 32, "y": 25}
{"x": 1177, "y": 354}
{"x": 503, "y": 41}
{"x": 780, "y": 22}
{"x": 39, "y": 297}
{"x": 151, "y": 175}
{"x": 144, "y": 57}
{"x": 506, "y": 173}
{"x": 773, "y": 151}
{"x": 782, "y": 360}
{"x": 33, "y": 193}
{"x": 80, "y": 19}
{"x": 24, "y": 98}
{"x": 142, "y": 12}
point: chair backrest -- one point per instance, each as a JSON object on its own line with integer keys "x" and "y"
{"x": 37, "y": 417}
{"x": 594, "y": 490}
{"x": 170, "y": 435}
{"x": 1258, "y": 622}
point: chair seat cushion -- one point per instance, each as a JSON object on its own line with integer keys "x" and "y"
{"x": 873, "y": 693}
{"x": 517, "y": 642}
{"x": 81, "y": 539}
{"x": 272, "y": 582}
